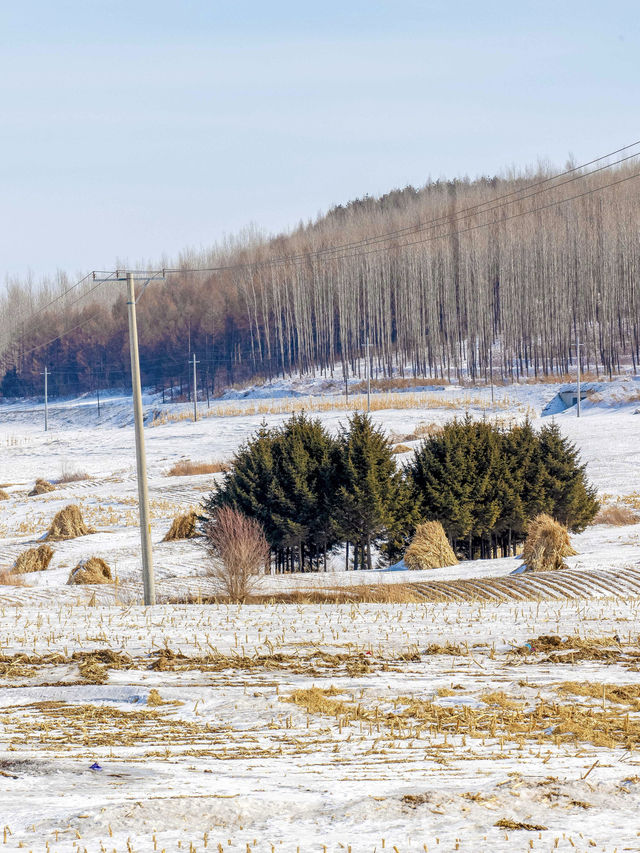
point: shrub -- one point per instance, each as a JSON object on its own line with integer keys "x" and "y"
{"x": 4, "y": 496}
{"x": 430, "y": 548}
{"x": 546, "y": 545}
{"x": 239, "y": 549}
{"x": 401, "y": 448}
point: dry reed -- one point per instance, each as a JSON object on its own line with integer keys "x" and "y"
{"x": 186, "y": 467}
{"x": 616, "y": 515}
{"x": 3, "y": 495}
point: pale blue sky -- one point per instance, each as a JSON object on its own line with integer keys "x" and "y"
{"x": 132, "y": 129}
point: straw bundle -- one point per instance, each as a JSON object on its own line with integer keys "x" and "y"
{"x": 429, "y": 548}
{"x": 68, "y": 523}
{"x": 41, "y": 488}
{"x": 546, "y": 545}
{"x": 183, "y": 527}
{"x": 33, "y": 560}
{"x": 93, "y": 570}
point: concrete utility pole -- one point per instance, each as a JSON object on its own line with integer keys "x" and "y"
{"x": 45, "y": 373}
{"x": 195, "y": 390}
{"x": 368, "y": 366}
{"x": 141, "y": 460}
{"x": 578, "y": 357}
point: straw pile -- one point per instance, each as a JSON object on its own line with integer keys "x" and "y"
{"x": 183, "y": 527}
{"x": 429, "y": 548}
{"x": 546, "y": 545}
{"x": 67, "y": 524}
{"x": 33, "y": 560}
{"x": 93, "y": 570}
{"x": 3, "y": 495}
{"x": 41, "y": 488}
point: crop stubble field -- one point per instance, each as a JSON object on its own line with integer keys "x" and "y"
{"x": 472, "y": 723}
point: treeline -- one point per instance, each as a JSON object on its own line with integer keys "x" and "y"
{"x": 312, "y": 492}
{"x": 473, "y": 278}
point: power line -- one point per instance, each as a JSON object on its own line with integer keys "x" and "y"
{"x": 321, "y": 254}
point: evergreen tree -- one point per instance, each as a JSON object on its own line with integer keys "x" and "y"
{"x": 372, "y": 497}
{"x": 569, "y": 497}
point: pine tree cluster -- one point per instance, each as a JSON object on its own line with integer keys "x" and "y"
{"x": 313, "y": 492}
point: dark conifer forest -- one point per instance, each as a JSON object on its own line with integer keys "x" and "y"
{"x": 455, "y": 279}
{"x": 312, "y": 492}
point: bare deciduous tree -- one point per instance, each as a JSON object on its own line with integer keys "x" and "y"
{"x": 239, "y": 552}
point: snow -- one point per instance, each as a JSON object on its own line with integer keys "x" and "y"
{"x": 237, "y": 762}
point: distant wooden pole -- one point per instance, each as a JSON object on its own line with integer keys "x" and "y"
{"x": 578, "y": 354}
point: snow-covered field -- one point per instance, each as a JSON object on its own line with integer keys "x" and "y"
{"x": 369, "y": 727}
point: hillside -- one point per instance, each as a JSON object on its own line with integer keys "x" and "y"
{"x": 450, "y": 280}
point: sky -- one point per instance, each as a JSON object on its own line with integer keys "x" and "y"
{"x": 134, "y": 130}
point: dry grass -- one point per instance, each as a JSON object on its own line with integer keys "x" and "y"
{"x": 93, "y": 570}
{"x": 430, "y": 548}
{"x": 41, "y": 487}
{"x": 616, "y": 515}
{"x": 423, "y": 430}
{"x": 622, "y": 694}
{"x": 33, "y": 560}
{"x": 546, "y": 545}
{"x": 10, "y": 579}
{"x": 356, "y": 402}
{"x": 183, "y": 527}
{"x": 67, "y": 524}
{"x": 70, "y": 475}
{"x": 185, "y": 467}
{"x": 412, "y": 717}
{"x": 361, "y": 593}
{"x": 507, "y": 823}
{"x": 401, "y": 448}
{"x": 3, "y": 495}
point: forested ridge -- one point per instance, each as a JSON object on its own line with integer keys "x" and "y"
{"x": 471, "y": 276}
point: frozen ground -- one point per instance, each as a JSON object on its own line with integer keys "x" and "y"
{"x": 403, "y": 752}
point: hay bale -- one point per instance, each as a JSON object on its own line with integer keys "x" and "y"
{"x": 183, "y": 527}
{"x": 41, "y": 488}
{"x": 4, "y": 496}
{"x": 33, "y": 560}
{"x": 429, "y": 548}
{"x": 546, "y": 545}
{"x": 67, "y": 524}
{"x": 93, "y": 570}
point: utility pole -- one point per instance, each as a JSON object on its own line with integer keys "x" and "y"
{"x": 368, "y": 366}
{"x": 491, "y": 375}
{"x": 141, "y": 461}
{"x": 578, "y": 357}
{"x": 45, "y": 373}
{"x": 195, "y": 390}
